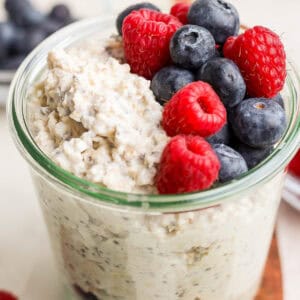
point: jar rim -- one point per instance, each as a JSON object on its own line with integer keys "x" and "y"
{"x": 42, "y": 164}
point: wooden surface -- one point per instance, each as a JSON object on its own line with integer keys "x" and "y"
{"x": 271, "y": 288}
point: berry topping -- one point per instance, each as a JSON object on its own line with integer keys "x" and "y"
{"x": 294, "y": 166}
{"x": 217, "y": 16}
{"x": 146, "y": 36}
{"x": 232, "y": 163}
{"x": 278, "y": 98}
{"x": 195, "y": 109}
{"x": 225, "y": 78}
{"x": 191, "y": 46}
{"x": 223, "y": 136}
{"x": 261, "y": 59}
{"x": 7, "y": 296}
{"x": 168, "y": 81}
{"x": 253, "y": 156}
{"x": 259, "y": 122}
{"x": 188, "y": 164}
{"x": 218, "y": 53}
{"x": 180, "y": 11}
{"x": 128, "y": 10}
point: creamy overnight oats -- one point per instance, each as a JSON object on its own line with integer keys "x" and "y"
{"x": 97, "y": 120}
{"x": 158, "y": 154}
{"x": 214, "y": 253}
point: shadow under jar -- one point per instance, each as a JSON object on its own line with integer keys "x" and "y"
{"x": 109, "y": 245}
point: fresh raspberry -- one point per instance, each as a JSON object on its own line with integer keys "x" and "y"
{"x": 294, "y": 166}
{"x": 146, "y": 36}
{"x": 180, "y": 11}
{"x": 6, "y": 296}
{"x": 188, "y": 164}
{"x": 260, "y": 55}
{"x": 195, "y": 109}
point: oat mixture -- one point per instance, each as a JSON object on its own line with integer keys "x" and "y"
{"x": 94, "y": 118}
{"x": 88, "y": 114}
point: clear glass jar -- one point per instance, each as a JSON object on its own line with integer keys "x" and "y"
{"x": 109, "y": 245}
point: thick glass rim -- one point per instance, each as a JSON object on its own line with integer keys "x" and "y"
{"x": 16, "y": 109}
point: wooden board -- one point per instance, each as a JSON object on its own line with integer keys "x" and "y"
{"x": 271, "y": 288}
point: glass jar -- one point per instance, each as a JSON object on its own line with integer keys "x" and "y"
{"x": 108, "y": 245}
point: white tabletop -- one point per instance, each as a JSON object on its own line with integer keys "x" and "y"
{"x": 26, "y": 262}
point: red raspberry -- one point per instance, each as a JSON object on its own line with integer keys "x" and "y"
{"x": 146, "y": 36}
{"x": 260, "y": 55}
{"x": 195, "y": 109}
{"x": 294, "y": 166}
{"x": 180, "y": 11}
{"x": 6, "y": 296}
{"x": 188, "y": 164}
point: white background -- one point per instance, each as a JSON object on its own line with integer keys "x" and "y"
{"x": 26, "y": 264}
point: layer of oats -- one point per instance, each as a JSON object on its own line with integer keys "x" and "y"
{"x": 94, "y": 118}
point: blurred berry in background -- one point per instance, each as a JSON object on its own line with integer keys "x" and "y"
{"x": 291, "y": 192}
{"x": 25, "y": 28}
{"x": 294, "y": 166}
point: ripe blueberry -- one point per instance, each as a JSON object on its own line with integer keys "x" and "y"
{"x": 232, "y": 163}
{"x": 253, "y": 156}
{"x": 224, "y": 76}
{"x": 259, "y": 122}
{"x": 167, "y": 81}
{"x": 223, "y": 136}
{"x": 217, "y": 16}
{"x": 278, "y": 98}
{"x": 191, "y": 46}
